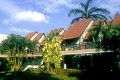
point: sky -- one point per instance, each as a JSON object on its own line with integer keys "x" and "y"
{"x": 24, "y": 16}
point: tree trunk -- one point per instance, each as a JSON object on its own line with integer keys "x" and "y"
{"x": 48, "y": 66}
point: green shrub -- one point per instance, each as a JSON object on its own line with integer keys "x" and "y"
{"x": 59, "y": 71}
{"x": 73, "y": 72}
{"x": 39, "y": 70}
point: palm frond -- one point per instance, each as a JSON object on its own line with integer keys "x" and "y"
{"x": 88, "y": 4}
{"x": 76, "y": 19}
{"x": 100, "y": 16}
{"x": 75, "y": 12}
{"x": 83, "y": 6}
{"x": 86, "y": 11}
{"x": 100, "y": 10}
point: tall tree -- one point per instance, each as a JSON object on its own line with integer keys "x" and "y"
{"x": 96, "y": 35}
{"x": 17, "y": 44}
{"x": 15, "y": 61}
{"x": 86, "y": 11}
{"x": 107, "y": 36}
{"x": 108, "y": 39}
{"x": 16, "y": 47}
{"x": 52, "y": 53}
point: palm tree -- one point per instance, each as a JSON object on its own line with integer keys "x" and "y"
{"x": 85, "y": 11}
{"x": 106, "y": 37}
{"x": 95, "y": 34}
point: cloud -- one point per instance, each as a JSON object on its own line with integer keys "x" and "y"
{"x": 17, "y": 13}
{"x": 53, "y": 6}
{"x": 8, "y": 7}
{"x": 112, "y": 5}
{"x": 19, "y": 30}
{"x": 32, "y": 16}
{"x": 3, "y": 37}
{"x": 29, "y": 16}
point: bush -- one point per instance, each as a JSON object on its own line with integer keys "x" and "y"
{"x": 73, "y": 72}
{"x": 59, "y": 71}
{"x": 56, "y": 74}
{"x": 39, "y": 70}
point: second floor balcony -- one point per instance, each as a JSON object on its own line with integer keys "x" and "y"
{"x": 81, "y": 46}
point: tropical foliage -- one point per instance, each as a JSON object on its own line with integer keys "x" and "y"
{"x": 16, "y": 47}
{"x": 106, "y": 36}
{"x": 17, "y": 44}
{"x": 15, "y": 61}
{"x": 86, "y": 11}
{"x": 53, "y": 33}
{"x": 96, "y": 35}
{"x": 52, "y": 53}
{"x": 111, "y": 38}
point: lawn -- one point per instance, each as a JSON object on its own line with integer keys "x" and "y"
{"x": 60, "y": 74}
{"x": 39, "y": 75}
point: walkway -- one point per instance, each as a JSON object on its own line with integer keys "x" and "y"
{"x": 70, "y": 52}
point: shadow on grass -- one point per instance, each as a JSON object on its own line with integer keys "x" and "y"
{"x": 83, "y": 75}
{"x": 26, "y": 76}
{"x": 95, "y": 75}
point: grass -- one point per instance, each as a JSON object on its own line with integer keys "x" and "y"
{"x": 70, "y": 74}
{"x": 29, "y": 76}
{"x": 38, "y": 75}
{"x": 64, "y": 77}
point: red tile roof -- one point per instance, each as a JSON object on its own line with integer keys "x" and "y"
{"x": 116, "y": 20}
{"x": 38, "y": 36}
{"x": 30, "y": 35}
{"x": 76, "y": 29}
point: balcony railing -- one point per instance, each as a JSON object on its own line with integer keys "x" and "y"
{"x": 85, "y": 45}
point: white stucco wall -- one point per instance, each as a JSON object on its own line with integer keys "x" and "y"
{"x": 41, "y": 39}
{"x": 34, "y": 36}
{"x": 61, "y": 32}
{"x": 85, "y": 32}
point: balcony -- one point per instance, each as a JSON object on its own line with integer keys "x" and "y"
{"x": 81, "y": 46}
{"x": 85, "y": 48}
